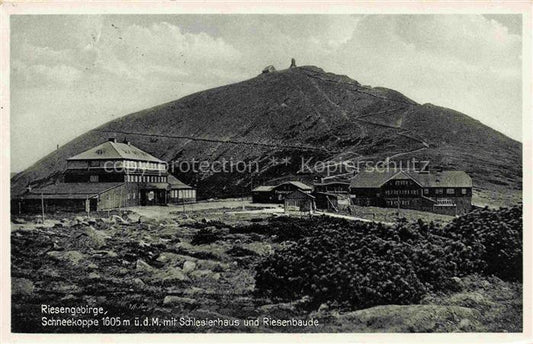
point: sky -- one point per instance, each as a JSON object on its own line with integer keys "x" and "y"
{"x": 72, "y": 73}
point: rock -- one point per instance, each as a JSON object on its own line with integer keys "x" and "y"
{"x": 137, "y": 282}
{"x": 324, "y": 308}
{"x": 177, "y": 300}
{"x": 188, "y": 266}
{"x": 194, "y": 291}
{"x": 208, "y": 264}
{"x": 38, "y": 219}
{"x": 19, "y": 221}
{"x": 58, "y": 225}
{"x": 466, "y": 325}
{"x": 48, "y": 272}
{"x": 205, "y": 274}
{"x": 167, "y": 257}
{"x": 456, "y": 284}
{"x": 172, "y": 275}
{"x": 64, "y": 220}
{"x": 69, "y": 257}
{"x": 63, "y": 288}
{"x": 105, "y": 253}
{"x": 92, "y": 266}
{"x": 119, "y": 220}
{"x": 142, "y": 266}
{"x": 89, "y": 237}
{"x": 94, "y": 276}
{"x": 91, "y": 221}
{"x": 22, "y": 286}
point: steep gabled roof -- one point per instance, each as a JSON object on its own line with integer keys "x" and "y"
{"x": 299, "y": 185}
{"x": 175, "y": 183}
{"x": 110, "y": 150}
{"x": 458, "y": 179}
{"x": 264, "y": 188}
{"x": 375, "y": 178}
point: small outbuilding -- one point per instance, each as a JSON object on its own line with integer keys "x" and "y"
{"x": 299, "y": 201}
{"x": 269, "y": 69}
{"x": 277, "y": 193}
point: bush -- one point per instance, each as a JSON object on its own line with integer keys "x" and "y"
{"x": 205, "y": 236}
{"x": 360, "y": 265}
{"x": 500, "y": 233}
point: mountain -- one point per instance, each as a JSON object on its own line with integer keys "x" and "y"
{"x": 294, "y": 114}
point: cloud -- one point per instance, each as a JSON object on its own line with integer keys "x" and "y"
{"x": 465, "y": 62}
{"x": 102, "y": 67}
{"x": 162, "y": 50}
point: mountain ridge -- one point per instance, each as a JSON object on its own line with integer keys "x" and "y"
{"x": 286, "y": 113}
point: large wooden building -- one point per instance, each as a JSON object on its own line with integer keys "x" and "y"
{"x": 110, "y": 175}
{"x": 443, "y": 192}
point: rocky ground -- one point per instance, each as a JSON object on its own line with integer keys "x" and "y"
{"x": 147, "y": 268}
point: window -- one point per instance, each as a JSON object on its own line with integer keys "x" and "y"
{"x": 94, "y": 163}
{"x": 93, "y": 179}
{"x": 463, "y": 191}
{"x": 438, "y": 191}
{"x": 426, "y": 191}
{"x": 450, "y": 191}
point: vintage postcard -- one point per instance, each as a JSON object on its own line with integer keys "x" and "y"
{"x": 182, "y": 172}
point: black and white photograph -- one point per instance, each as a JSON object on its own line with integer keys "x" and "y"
{"x": 267, "y": 173}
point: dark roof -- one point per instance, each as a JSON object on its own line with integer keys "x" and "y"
{"x": 267, "y": 188}
{"x": 115, "y": 151}
{"x": 299, "y": 185}
{"x": 299, "y": 192}
{"x": 332, "y": 182}
{"x": 71, "y": 190}
{"x": 175, "y": 183}
{"x": 375, "y": 179}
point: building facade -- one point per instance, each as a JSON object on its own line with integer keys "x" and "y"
{"x": 443, "y": 192}
{"x": 299, "y": 201}
{"x": 108, "y": 176}
{"x": 277, "y": 193}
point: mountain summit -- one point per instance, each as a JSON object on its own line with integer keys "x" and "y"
{"x": 300, "y": 112}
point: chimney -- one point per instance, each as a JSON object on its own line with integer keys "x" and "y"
{"x": 113, "y": 139}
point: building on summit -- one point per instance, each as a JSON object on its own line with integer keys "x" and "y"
{"x": 108, "y": 176}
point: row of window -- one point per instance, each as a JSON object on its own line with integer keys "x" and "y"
{"x": 183, "y": 193}
{"x": 401, "y": 192}
{"x": 395, "y": 202}
{"x": 438, "y": 191}
{"x": 145, "y": 179}
{"x": 144, "y": 165}
{"x": 402, "y": 182}
{"x": 449, "y": 191}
